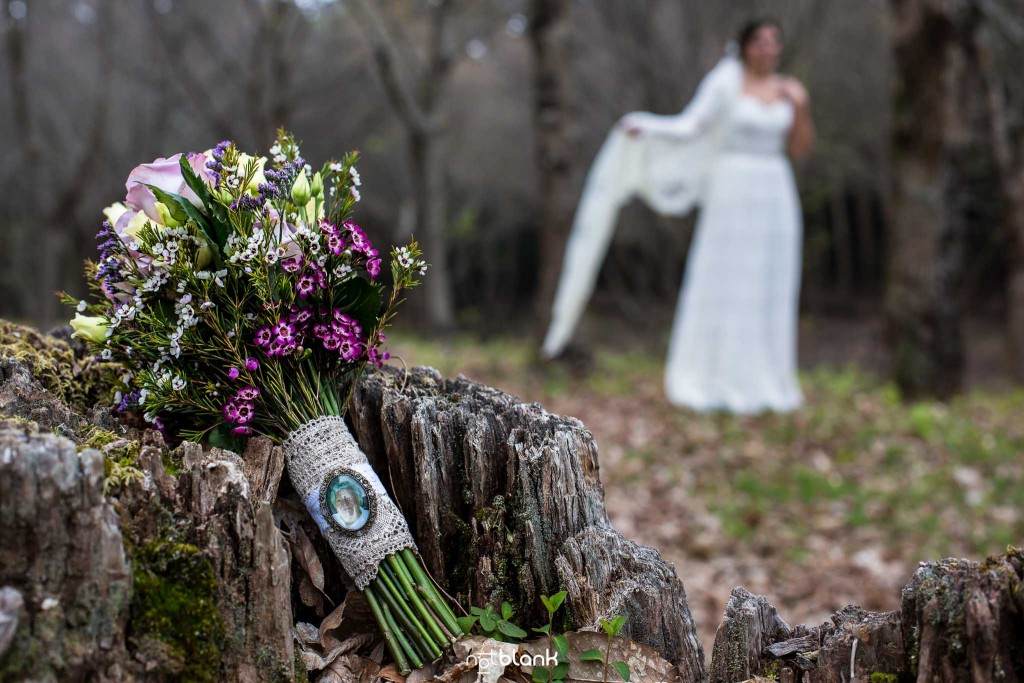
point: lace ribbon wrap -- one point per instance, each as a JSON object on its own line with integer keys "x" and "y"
{"x": 345, "y": 498}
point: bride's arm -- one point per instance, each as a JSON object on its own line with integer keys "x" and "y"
{"x": 801, "y": 135}
{"x": 698, "y": 115}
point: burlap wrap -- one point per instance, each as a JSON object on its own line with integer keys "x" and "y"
{"x": 315, "y": 453}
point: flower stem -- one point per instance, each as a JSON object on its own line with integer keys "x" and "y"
{"x": 403, "y": 578}
{"x": 384, "y": 576}
{"x": 430, "y": 592}
{"x": 389, "y": 636}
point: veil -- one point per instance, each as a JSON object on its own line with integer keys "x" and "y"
{"x": 666, "y": 166}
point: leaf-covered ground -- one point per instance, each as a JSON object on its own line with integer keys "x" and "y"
{"x": 833, "y": 505}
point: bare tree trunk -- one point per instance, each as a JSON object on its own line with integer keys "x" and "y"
{"x": 923, "y": 302}
{"x": 417, "y": 109}
{"x": 1009, "y": 160}
{"x": 556, "y": 137}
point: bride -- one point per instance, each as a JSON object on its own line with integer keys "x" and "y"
{"x": 733, "y": 343}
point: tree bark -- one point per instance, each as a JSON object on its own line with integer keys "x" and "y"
{"x": 556, "y": 138}
{"x": 506, "y": 504}
{"x": 935, "y": 74}
{"x": 959, "y": 621}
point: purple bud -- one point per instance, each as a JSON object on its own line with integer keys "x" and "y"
{"x": 251, "y": 364}
{"x": 232, "y": 373}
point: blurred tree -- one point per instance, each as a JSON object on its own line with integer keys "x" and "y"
{"x": 1000, "y": 46}
{"x": 417, "y": 107}
{"x": 556, "y": 137}
{"x": 936, "y": 71}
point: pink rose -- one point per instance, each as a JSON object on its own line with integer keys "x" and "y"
{"x": 164, "y": 174}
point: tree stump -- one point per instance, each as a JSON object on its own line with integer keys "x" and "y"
{"x": 506, "y": 503}
{"x": 959, "y": 621}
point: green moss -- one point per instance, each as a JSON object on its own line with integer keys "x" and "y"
{"x": 174, "y": 603}
{"x": 771, "y": 672}
{"x": 80, "y": 382}
{"x": 119, "y": 457}
{"x": 883, "y": 678}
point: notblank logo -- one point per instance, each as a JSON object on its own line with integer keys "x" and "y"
{"x": 484, "y": 662}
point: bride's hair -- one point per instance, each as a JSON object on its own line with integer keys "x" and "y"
{"x": 750, "y": 29}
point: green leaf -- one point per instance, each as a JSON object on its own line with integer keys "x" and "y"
{"x": 543, "y": 629}
{"x": 510, "y": 629}
{"x": 555, "y": 601}
{"x": 547, "y": 603}
{"x": 172, "y": 200}
{"x": 476, "y": 610}
{"x": 623, "y": 670}
{"x": 561, "y": 669}
{"x": 613, "y": 626}
{"x": 562, "y": 645}
{"x": 506, "y": 610}
{"x": 202, "y": 190}
{"x": 221, "y": 437}
{"x": 361, "y": 299}
{"x": 488, "y": 621}
{"x": 466, "y": 624}
{"x": 592, "y": 655}
{"x": 541, "y": 674}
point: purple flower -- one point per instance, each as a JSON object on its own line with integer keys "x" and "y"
{"x": 251, "y": 364}
{"x": 232, "y": 373}
{"x": 248, "y": 393}
{"x": 377, "y": 357}
{"x": 241, "y": 431}
{"x": 300, "y": 315}
{"x": 360, "y": 243}
{"x": 350, "y": 349}
{"x": 292, "y": 264}
{"x": 305, "y": 286}
{"x": 373, "y": 268}
{"x": 230, "y": 410}
{"x": 245, "y": 412}
{"x": 335, "y": 244}
{"x": 264, "y": 336}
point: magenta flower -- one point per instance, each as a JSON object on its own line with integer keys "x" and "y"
{"x": 248, "y": 393}
{"x": 305, "y": 286}
{"x": 292, "y": 264}
{"x": 251, "y": 364}
{"x": 232, "y": 373}
{"x": 264, "y": 336}
{"x": 373, "y": 268}
{"x": 241, "y": 431}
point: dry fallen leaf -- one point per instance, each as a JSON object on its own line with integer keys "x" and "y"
{"x": 390, "y": 673}
{"x": 330, "y": 623}
{"x": 303, "y": 549}
{"x": 645, "y": 664}
{"x": 306, "y": 633}
{"x": 308, "y": 593}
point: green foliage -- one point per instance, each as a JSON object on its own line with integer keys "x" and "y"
{"x": 174, "y": 603}
{"x": 493, "y": 624}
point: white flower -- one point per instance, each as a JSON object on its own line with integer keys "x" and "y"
{"x": 206, "y": 305}
{"x": 336, "y": 167}
{"x": 106, "y": 355}
{"x": 81, "y": 306}
{"x": 275, "y": 150}
{"x": 356, "y": 180}
{"x": 355, "y": 193}
{"x": 143, "y": 394}
{"x": 178, "y": 384}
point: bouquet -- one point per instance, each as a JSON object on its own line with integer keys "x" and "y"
{"x": 240, "y": 299}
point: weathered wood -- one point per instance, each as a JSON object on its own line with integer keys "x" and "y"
{"x": 506, "y": 503}
{"x": 960, "y": 621}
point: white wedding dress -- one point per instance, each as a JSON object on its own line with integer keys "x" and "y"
{"x": 733, "y": 342}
